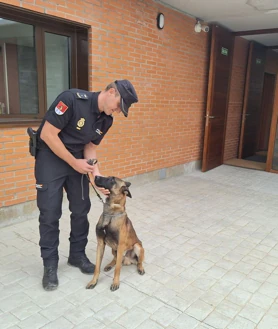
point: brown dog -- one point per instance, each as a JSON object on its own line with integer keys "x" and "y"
{"x": 115, "y": 229}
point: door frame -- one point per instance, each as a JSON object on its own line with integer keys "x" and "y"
{"x": 271, "y": 143}
{"x": 245, "y": 99}
{"x": 211, "y": 89}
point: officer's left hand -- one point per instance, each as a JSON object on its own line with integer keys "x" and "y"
{"x": 103, "y": 190}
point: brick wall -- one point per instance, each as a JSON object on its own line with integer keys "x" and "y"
{"x": 169, "y": 69}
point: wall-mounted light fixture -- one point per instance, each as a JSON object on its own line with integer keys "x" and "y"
{"x": 160, "y": 21}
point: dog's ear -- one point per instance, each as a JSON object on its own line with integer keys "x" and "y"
{"x": 127, "y": 184}
{"x": 126, "y": 191}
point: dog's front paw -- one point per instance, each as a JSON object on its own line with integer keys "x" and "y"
{"x": 107, "y": 268}
{"x": 141, "y": 271}
{"x": 91, "y": 285}
{"x": 114, "y": 286}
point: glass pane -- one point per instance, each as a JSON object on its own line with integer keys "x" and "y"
{"x": 18, "y": 69}
{"x": 57, "y": 60}
{"x": 275, "y": 153}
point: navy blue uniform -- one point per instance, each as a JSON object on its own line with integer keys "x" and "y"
{"x": 75, "y": 112}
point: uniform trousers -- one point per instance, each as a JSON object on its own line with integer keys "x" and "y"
{"x": 52, "y": 176}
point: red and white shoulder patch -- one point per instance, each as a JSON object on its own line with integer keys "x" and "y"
{"x": 61, "y": 108}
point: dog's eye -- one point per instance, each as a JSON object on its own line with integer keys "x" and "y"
{"x": 112, "y": 180}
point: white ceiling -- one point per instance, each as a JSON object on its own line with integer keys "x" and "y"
{"x": 236, "y": 15}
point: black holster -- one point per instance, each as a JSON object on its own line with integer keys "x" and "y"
{"x": 32, "y": 141}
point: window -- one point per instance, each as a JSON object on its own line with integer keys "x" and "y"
{"x": 18, "y": 73}
{"x": 39, "y": 58}
{"x": 57, "y": 61}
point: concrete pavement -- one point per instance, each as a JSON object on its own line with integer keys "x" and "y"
{"x": 211, "y": 248}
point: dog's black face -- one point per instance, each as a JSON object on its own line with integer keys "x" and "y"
{"x": 113, "y": 184}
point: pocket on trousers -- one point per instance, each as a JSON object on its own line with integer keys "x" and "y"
{"x": 42, "y": 195}
{"x": 41, "y": 187}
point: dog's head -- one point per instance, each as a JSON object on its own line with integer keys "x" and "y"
{"x": 115, "y": 185}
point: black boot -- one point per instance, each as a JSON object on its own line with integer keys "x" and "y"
{"x": 50, "y": 279}
{"x": 81, "y": 261}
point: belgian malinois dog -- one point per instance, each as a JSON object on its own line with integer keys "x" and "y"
{"x": 115, "y": 229}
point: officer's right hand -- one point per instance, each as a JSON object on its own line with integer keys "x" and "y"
{"x": 82, "y": 166}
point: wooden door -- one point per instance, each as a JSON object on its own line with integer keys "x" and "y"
{"x": 266, "y": 111}
{"x": 222, "y": 42}
{"x": 252, "y": 100}
{"x": 2, "y": 80}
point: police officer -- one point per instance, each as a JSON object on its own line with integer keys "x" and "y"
{"x": 68, "y": 136}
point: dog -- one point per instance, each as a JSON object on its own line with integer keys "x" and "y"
{"x": 115, "y": 229}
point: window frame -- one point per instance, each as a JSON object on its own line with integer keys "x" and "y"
{"x": 45, "y": 23}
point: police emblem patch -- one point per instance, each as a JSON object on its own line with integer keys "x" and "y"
{"x": 61, "y": 108}
{"x": 80, "y": 123}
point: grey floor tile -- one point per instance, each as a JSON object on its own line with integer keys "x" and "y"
{"x": 228, "y": 309}
{"x": 217, "y": 320}
{"x": 60, "y": 323}
{"x": 7, "y": 320}
{"x": 241, "y": 323}
{"x": 149, "y": 324}
{"x": 34, "y": 321}
{"x": 199, "y": 310}
{"x": 239, "y": 296}
{"x": 25, "y": 310}
{"x": 252, "y": 313}
{"x": 261, "y": 300}
{"x": 133, "y": 318}
{"x": 185, "y": 321}
{"x": 165, "y": 315}
{"x": 268, "y": 322}
{"x": 110, "y": 313}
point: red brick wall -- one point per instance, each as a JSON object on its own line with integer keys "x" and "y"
{"x": 169, "y": 70}
{"x": 236, "y": 98}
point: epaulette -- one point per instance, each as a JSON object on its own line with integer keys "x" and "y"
{"x": 82, "y": 95}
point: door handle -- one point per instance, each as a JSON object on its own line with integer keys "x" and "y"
{"x": 210, "y": 116}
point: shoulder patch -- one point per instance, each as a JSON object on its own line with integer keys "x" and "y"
{"x": 82, "y": 95}
{"x": 61, "y": 108}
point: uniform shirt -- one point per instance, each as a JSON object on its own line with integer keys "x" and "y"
{"x": 75, "y": 112}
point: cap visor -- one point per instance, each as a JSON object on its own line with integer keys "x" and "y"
{"x": 124, "y": 108}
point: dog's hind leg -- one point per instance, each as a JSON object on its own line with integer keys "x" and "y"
{"x": 109, "y": 266}
{"x": 139, "y": 251}
{"x": 130, "y": 258}
{"x": 100, "y": 252}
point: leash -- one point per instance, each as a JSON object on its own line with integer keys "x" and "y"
{"x": 100, "y": 198}
{"x": 93, "y": 162}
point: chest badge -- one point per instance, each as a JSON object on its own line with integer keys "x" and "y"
{"x": 80, "y": 123}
